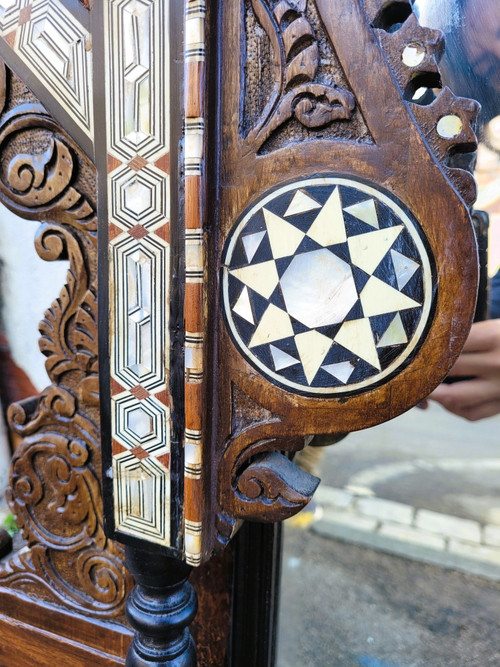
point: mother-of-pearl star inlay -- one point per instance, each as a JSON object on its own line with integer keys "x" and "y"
{"x": 327, "y": 285}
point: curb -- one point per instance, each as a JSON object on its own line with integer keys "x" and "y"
{"x": 418, "y": 534}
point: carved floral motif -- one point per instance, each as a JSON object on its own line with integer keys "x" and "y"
{"x": 296, "y": 61}
{"x": 55, "y": 489}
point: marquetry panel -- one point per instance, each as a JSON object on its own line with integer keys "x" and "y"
{"x": 9, "y": 14}
{"x": 137, "y": 96}
{"x": 328, "y": 286}
{"x": 140, "y": 265}
{"x": 57, "y": 49}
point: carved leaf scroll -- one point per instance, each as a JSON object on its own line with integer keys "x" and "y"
{"x": 296, "y": 62}
{"x": 55, "y": 490}
{"x": 272, "y": 488}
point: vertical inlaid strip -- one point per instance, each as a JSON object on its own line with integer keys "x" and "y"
{"x": 194, "y": 145}
{"x": 137, "y": 98}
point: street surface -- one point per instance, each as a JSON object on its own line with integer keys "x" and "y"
{"x": 344, "y": 605}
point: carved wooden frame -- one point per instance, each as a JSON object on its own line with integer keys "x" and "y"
{"x": 55, "y": 490}
{"x": 306, "y": 113}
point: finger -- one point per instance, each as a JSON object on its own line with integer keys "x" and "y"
{"x": 466, "y": 394}
{"x": 478, "y": 412}
{"x": 475, "y": 363}
{"x": 483, "y": 336}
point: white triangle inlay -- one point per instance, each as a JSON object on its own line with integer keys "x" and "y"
{"x": 251, "y": 244}
{"x": 404, "y": 268}
{"x": 365, "y": 211}
{"x": 274, "y": 325}
{"x": 262, "y": 278}
{"x": 342, "y": 371}
{"x": 313, "y": 348}
{"x": 329, "y": 227}
{"x": 301, "y": 203}
{"x": 284, "y": 237}
{"x": 368, "y": 250}
{"x": 357, "y": 336}
{"x": 395, "y": 333}
{"x": 378, "y": 298}
{"x": 243, "y": 307}
{"x": 282, "y": 359}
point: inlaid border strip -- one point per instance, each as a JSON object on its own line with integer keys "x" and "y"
{"x": 194, "y": 144}
{"x": 137, "y": 50}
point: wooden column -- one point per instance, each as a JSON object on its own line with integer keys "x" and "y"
{"x": 160, "y": 609}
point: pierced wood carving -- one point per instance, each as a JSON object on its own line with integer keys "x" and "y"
{"x": 341, "y": 206}
{"x": 55, "y": 489}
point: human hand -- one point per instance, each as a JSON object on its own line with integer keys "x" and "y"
{"x": 480, "y": 397}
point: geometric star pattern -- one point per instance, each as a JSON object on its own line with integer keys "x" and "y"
{"x": 327, "y": 286}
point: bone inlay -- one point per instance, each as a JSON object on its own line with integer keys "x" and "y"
{"x": 327, "y": 286}
{"x": 137, "y": 94}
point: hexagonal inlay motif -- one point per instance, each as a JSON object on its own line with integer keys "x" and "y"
{"x": 140, "y": 423}
{"x": 139, "y": 197}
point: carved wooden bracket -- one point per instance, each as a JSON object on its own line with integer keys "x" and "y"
{"x": 346, "y": 248}
{"x": 55, "y": 490}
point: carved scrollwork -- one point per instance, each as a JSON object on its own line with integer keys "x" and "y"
{"x": 258, "y": 482}
{"x": 296, "y": 62}
{"x": 272, "y": 488}
{"x": 55, "y": 490}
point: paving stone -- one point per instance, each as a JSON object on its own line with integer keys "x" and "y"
{"x": 385, "y": 510}
{"x": 450, "y": 526}
{"x": 349, "y": 519}
{"x": 412, "y": 535}
{"x": 489, "y": 554}
{"x": 328, "y": 495}
{"x": 491, "y": 536}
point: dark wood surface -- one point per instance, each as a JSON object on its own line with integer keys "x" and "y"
{"x": 34, "y": 632}
{"x": 160, "y": 608}
{"x": 377, "y": 134}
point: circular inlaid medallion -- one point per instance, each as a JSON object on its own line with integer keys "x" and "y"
{"x": 327, "y": 285}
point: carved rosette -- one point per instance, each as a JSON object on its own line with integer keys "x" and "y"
{"x": 55, "y": 491}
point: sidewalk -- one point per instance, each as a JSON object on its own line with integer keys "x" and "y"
{"x": 425, "y": 486}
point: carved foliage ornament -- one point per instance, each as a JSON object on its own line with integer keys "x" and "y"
{"x": 55, "y": 489}
{"x": 295, "y": 59}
